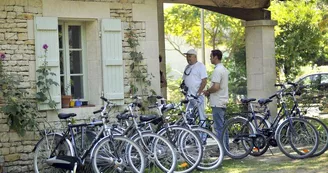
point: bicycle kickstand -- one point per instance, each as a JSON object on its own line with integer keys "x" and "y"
{"x": 271, "y": 151}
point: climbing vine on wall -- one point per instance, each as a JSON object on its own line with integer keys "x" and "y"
{"x": 140, "y": 80}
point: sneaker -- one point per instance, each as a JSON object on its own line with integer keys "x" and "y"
{"x": 215, "y": 153}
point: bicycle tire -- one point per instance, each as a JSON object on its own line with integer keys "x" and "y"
{"x": 323, "y": 135}
{"x": 155, "y": 156}
{"x": 188, "y": 145}
{"x": 241, "y": 136}
{"x": 208, "y": 147}
{"x": 103, "y": 158}
{"x": 262, "y": 123}
{"x": 45, "y": 145}
{"x": 286, "y": 135}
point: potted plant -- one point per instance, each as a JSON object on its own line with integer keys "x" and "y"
{"x": 65, "y": 98}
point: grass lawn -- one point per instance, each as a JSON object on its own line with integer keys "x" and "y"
{"x": 277, "y": 163}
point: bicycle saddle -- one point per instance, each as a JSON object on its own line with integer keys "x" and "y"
{"x": 66, "y": 115}
{"x": 264, "y": 101}
{"x": 245, "y": 101}
{"x": 147, "y": 117}
{"x": 123, "y": 116}
{"x": 168, "y": 107}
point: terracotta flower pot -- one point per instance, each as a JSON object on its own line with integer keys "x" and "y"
{"x": 66, "y": 100}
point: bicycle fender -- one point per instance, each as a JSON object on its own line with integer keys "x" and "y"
{"x": 57, "y": 134}
{"x": 42, "y": 139}
{"x": 242, "y": 118}
{"x": 265, "y": 120}
{"x": 93, "y": 148}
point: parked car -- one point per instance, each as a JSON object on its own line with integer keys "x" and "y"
{"x": 317, "y": 81}
{"x": 317, "y": 86}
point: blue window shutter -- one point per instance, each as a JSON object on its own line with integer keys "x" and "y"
{"x": 113, "y": 73}
{"x": 46, "y": 32}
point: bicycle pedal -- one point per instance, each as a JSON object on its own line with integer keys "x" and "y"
{"x": 252, "y": 135}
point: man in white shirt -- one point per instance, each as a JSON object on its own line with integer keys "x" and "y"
{"x": 195, "y": 78}
{"x": 218, "y": 92}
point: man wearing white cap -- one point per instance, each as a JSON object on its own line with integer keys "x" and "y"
{"x": 195, "y": 78}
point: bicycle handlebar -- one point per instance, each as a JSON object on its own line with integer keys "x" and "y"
{"x": 156, "y": 96}
{"x": 274, "y": 95}
{"x": 104, "y": 99}
{"x": 280, "y": 85}
{"x": 195, "y": 97}
{"x": 98, "y": 111}
{"x": 294, "y": 84}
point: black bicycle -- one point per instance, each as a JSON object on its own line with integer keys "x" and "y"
{"x": 253, "y": 134}
{"x": 58, "y": 152}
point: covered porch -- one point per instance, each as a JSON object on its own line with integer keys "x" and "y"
{"x": 259, "y": 38}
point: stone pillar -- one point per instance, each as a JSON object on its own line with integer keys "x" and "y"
{"x": 161, "y": 41}
{"x": 260, "y": 60}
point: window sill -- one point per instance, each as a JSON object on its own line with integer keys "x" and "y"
{"x": 84, "y": 106}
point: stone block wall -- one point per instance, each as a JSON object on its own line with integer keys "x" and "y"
{"x": 15, "y": 151}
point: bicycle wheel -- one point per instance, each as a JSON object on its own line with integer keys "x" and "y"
{"x": 188, "y": 146}
{"x": 117, "y": 154}
{"x": 213, "y": 151}
{"x": 82, "y": 142}
{"x": 261, "y": 145}
{"x": 236, "y": 138}
{"x": 45, "y": 147}
{"x": 297, "y": 138}
{"x": 160, "y": 153}
{"x": 322, "y": 132}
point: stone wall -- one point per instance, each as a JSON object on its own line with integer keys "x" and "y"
{"x": 16, "y": 152}
{"x": 117, "y": 1}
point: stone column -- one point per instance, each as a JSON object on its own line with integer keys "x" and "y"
{"x": 260, "y": 60}
{"x": 161, "y": 41}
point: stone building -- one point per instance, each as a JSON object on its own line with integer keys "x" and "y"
{"x": 87, "y": 45}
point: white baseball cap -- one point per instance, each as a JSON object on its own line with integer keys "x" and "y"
{"x": 191, "y": 52}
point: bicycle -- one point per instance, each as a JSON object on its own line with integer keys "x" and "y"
{"x": 160, "y": 152}
{"x": 187, "y": 143}
{"x": 212, "y": 147}
{"x": 57, "y": 152}
{"x": 317, "y": 123}
{"x": 247, "y": 134}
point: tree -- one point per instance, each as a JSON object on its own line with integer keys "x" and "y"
{"x": 184, "y": 21}
{"x": 220, "y": 30}
{"x": 299, "y": 39}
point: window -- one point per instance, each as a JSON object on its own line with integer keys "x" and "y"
{"x": 310, "y": 80}
{"x": 324, "y": 79}
{"x": 71, "y": 53}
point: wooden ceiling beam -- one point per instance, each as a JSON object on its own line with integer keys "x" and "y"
{"x": 240, "y": 13}
{"x": 247, "y": 4}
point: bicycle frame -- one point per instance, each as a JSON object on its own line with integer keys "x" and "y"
{"x": 69, "y": 134}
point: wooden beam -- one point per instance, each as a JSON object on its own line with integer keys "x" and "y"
{"x": 247, "y": 4}
{"x": 240, "y": 13}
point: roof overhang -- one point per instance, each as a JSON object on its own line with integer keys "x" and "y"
{"x": 241, "y": 9}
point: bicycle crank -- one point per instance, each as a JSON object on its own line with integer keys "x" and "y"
{"x": 259, "y": 141}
